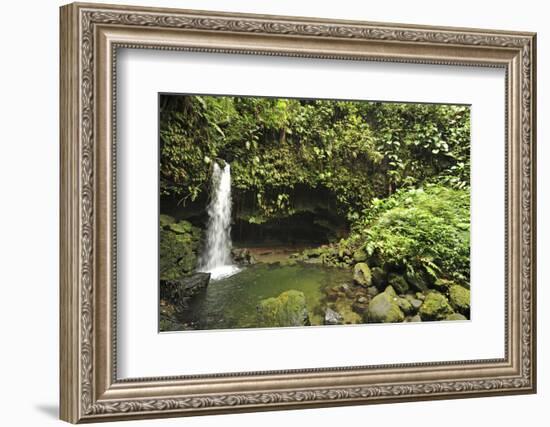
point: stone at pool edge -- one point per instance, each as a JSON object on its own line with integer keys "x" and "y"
{"x": 459, "y": 297}
{"x": 399, "y": 283}
{"x": 287, "y": 309}
{"x": 379, "y": 277}
{"x": 384, "y": 308}
{"x": 332, "y": 317}
{"x": 178, "y": 246}
{"x": 456, "y": 316}
{"x": 243, "y": 256}
{"x": 372, "y": 291}
{"x": 179, "y": 291}
{"x": 405, "y": 306}
{"x": 360, "y": 305}
{"x": 435, "y": 307}
{"x": 362, "y": 274}
{"x": 415, "y": 302}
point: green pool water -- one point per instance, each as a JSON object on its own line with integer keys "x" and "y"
{"x": 231, "y": 302}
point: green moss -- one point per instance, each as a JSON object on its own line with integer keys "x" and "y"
{"x": 287, "y": 309}
{"x": 360, "y": 255}
{"x": 442, "y": 284}
{"x": 384, "y": 308}
{"x": 362, "y": 274}
{"x": 399, "y": 283}
{"x": 178, "y": 246}
{"x": 418, "y": 280}
{"x": 425, "y": 231}
{"x": 456, "y": 316}
{"x": 460, "y": 299}
{"x": 390, "y": 291}
{"x": 435, "y": 307}
{"x": 379, "y": 277}
{"x": 405, "y": 306}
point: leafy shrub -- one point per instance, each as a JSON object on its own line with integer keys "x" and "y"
{"x": 425, "y": 229}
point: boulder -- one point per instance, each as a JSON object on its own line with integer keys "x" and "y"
{"x": 405, "y": 306}
{"x": 417, "y": 281}
{"x": 459, "y": 298}
{"x": 442, "y": 285}
{"x": 360, "y": 255}
{"x": 435, "y": 307}
{"x": 178, "y": 246}
{"x": 287, "y": 309}
{"x": 179, "y": 291}
{"x": 384, "y": 308}
{"x": 360, "y": 305}
{"x": 372, "y": 291}
{"x": 416, "y": 303}
{"x": 362, "y": 274}
{"x": 378, "y": 277}
{"x": 243, "y": 256}
{"x": 346, "y": 289}
{"x": 390, "y": 291}
{"x": 456, "y": 316}
{"x": 332, "y": 293}
{"x": 332, "y": 317}
{"x": 398, "y": 282}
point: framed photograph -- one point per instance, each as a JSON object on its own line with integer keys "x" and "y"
{"x": 267, "y": 212}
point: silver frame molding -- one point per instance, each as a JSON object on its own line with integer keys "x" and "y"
{"x": 90, "y": 37}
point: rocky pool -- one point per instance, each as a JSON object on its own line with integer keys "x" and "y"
{"x": 233, "y": 302}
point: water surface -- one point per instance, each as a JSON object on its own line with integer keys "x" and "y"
{"x": 231, "y": 302}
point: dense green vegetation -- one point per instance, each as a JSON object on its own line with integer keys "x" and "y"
{"x": 396, "y": 174}
{"x": 424, "y": 230}
{"x": 374, "y": 158}
{"x": 356, "y": 150}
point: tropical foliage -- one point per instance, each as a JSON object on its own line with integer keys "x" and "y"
{"x": 399, "y": 173}
{"x": 356, "y": 150}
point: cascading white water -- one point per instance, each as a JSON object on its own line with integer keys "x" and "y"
{"x": 216, "y": 258}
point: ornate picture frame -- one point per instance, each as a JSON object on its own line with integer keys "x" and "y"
{"x": 90, "y": 37}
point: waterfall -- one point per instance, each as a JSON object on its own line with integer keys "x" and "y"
{"x": 216, "y": 258}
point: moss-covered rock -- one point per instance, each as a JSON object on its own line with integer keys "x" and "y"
{"x": 435, "y": 307}
{"x": 459, "y": 298}
{"x": 179, "y": 246}
{"x": 399, "y": 283}
{"x": 179, "y": 291}
{"x": 390, "y": 291}
{"x": 360, "y": 255}
{"x": 418, "y": 281}
{"x": 372, "y": 291}
{"x": 287, "y": 309}
{"x": 332, "y": 317}
{"x": 362, "y": 274}
{"x": 405, "y": 306}
{"x": 442, "y": 285}
{"x": 360, "y": 305}
{"x": 379, "y": 277}
{"x": 384, "y": 308}
{"x": 415, "y": 302}
{"x": 456, "y": 316}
